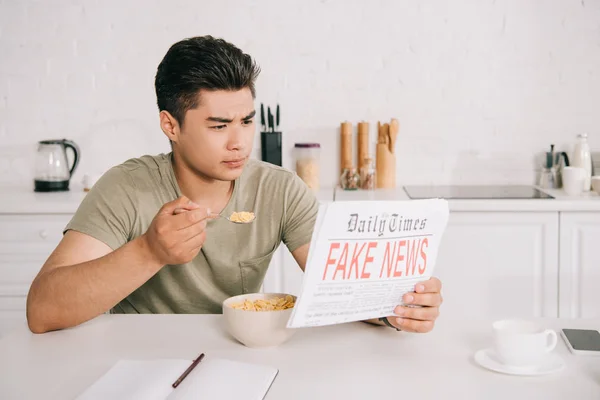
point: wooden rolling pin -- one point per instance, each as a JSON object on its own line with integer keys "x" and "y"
{"x": 394, "y": 127}
{"x": 346, "y": 146}
{"x": 363, "y": 144}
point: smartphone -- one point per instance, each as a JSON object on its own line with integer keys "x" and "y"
{"x": 582, "y": 341}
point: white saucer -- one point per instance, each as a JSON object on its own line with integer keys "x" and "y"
{"x": 550, "y": 364}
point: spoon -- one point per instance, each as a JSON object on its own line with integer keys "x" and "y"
{"x": 240, "y": 217}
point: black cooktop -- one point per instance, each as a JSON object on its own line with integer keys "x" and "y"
{"x": 475, "y": 192}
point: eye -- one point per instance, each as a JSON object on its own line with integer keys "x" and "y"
{"x": 247, "y": 122}
{"x": 218, "y": 127}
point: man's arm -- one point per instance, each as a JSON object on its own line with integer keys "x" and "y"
{"x": 83, "y": 278}
{"x": 301, "y": 255}
{"x": 410, "y": 319}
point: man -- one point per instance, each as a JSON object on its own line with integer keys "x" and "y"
{"x": 145, "y": 239}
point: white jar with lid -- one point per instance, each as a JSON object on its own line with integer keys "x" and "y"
{"x": 582, "y": 158}
{"x": 307, "y": 163}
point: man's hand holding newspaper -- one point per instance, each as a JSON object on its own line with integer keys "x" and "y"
{"x": 421, "y": 319}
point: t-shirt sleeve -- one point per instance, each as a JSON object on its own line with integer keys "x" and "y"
{"x": 108, "y": 211}
{"x": 300, "y": 214}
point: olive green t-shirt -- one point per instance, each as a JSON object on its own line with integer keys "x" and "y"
{"x": 234, "y": 257}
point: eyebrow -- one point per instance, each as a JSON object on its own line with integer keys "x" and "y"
{"x": 226, "y": 120}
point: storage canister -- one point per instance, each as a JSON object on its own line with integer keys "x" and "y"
{"x": 307, "y": 163}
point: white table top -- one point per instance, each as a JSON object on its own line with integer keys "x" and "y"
{"x": 349, "y": 361}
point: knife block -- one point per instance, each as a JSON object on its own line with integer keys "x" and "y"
{"x": 270, "y": 147}
{"x": 385, "y": 165}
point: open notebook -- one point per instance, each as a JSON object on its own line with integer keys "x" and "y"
{"x": 213, "y": 378}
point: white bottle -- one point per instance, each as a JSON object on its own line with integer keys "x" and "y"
{"x": 582, "y": 158}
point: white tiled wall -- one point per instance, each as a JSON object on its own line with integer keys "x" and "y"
{"x": 479, "y": 87}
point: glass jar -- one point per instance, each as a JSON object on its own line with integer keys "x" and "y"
{"x": 367, "y": 175}
{"x": 582, "y": 158}
{"x": 350, "y": 179}
{"x": 307, "y": 163}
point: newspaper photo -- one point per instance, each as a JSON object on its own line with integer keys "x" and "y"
{"x": 364, "y": 256}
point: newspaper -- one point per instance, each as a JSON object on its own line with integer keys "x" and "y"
{"x": 364, "y": 256}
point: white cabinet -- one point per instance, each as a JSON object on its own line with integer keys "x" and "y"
{"x": 579, "y": 265}
{"x": 26, "y": 241}
{"x": 499, "y": 264}
{"x": 284, "y": 274}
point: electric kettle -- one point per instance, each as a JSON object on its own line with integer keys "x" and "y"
{"x": 52, "y": 170}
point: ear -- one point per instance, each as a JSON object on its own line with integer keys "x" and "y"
{"x": 169, "y": 126}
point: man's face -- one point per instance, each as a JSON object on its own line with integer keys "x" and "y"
{"x": 215, "y": 139}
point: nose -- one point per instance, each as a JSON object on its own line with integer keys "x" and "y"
{"x": 236, "y": 139}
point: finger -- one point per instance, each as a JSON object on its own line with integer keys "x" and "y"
{"x": 432, "y": 285}
{"x": 423, "y": 299}
{"x": 421, "y": 314}
{"x": 181, "y": 202}
{"x": 189, "y": 218}
{"x": 194, "y": 244}
{"x": 211, "y": 215}
{"x": 191, "y": 206}
{"x": 188, "y": 207}
{"x": 411, "y": 325}
{"x": 192, "y": 231}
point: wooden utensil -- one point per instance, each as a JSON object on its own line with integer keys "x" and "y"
{"x": 386, "y": 167}
{"x": 346, "y": 146}
{"x": 393, "y": 134}
{"x": 383, "y": 134}
{"x": 385, "y": 162}
{"x": 363, "y": 144}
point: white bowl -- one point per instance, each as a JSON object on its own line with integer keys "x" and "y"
{"x": 257, "y": 328}
{"x": 596, "y": 183}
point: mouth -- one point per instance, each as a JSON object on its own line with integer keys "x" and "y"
{"x": 235, "y": 163}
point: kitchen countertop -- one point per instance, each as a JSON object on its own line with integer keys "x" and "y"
{"x": 23, "y": 200}
{"x": 346, "y": 361}
{"x": 589, "y": 201}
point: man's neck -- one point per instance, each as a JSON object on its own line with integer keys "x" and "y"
{"x": 204, "y": 191}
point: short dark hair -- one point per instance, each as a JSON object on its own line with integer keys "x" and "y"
{"x": 197, "y": 63}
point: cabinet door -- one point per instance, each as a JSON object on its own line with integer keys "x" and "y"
{"x": 499, "y": 265}
{"x": 284, "y": 274}
{"x": 26, "y": 241}
{"x": 579, "y": 265}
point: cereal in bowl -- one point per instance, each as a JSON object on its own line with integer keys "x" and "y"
{"x": 274, "y": 304}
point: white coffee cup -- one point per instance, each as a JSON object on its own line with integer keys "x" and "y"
{"x": 522, "y": 343}
{"x": 572, "y": 180}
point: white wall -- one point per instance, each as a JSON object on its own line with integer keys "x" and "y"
{"x": 479, "y": 86}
